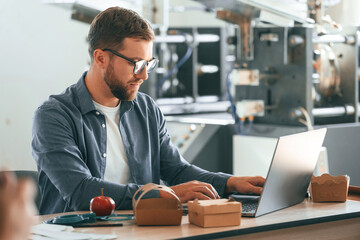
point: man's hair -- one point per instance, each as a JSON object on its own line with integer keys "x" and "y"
{"x": 110, "y": 27}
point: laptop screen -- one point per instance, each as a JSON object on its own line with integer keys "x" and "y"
{"x": 290, "y": 171}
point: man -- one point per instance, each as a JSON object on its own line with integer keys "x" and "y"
{"x": 103, "y": 133}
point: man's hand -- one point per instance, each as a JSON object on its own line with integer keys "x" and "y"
{"x": 245, "y": 185}
{"x": 192, "y": 190}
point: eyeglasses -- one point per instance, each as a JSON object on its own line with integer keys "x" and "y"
{"x": 138, "y": 65}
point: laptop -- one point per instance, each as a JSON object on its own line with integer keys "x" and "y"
{"x": 289, "y": 175}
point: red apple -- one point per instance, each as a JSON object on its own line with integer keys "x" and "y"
{"x": 102, "y": 205}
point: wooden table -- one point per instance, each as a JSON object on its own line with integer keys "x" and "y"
{"x": 306, "y": 220}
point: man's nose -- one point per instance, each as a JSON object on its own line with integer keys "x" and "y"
{"x": 143, "y": 74}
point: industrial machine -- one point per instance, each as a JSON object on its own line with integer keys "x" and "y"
{"x": 300, "y": 74}
{"x": 307, "y": 68}
{"x": 285, "y": 68}
{"x": 291, "y": 73}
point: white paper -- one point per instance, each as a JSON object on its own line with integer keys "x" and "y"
{"x": 53, "y": 227}
{"x": 60, "y": 232}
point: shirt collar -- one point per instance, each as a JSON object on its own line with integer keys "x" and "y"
{"x": 86, "y": 103}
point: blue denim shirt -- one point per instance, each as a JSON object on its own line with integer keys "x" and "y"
{"x": 69, "y": 146}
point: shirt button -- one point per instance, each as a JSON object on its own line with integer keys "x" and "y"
{"x": 104, "y": 154}
{"x": 103, "y": 125}
{"x": 97, "y": 113}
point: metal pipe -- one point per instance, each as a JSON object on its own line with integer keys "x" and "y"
{"x": 327, "y": 112}
{"x": 183, "y": 38}
{"x": 334, "y": 111}
{"x": 170, "y": 39}
{"x": 349, "y": 39}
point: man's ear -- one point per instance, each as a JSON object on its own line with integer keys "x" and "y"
{"x": 100, "y": 58}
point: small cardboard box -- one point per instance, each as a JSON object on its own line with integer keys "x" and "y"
{"x": 156, "y": 211}
{"x": 214, "y": 213}
{"x": 327, "y": 188}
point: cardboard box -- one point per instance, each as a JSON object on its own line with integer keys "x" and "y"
{"x": 156, "y": 211}
{"x": 327, "y": 188}
{"x": 214, "y": 213}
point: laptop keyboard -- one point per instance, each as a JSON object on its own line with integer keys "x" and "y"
{"x": 249, "y": 203}
{"x": 249, "y": 206}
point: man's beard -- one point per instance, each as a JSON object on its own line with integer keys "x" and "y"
{"x": 115, "y": 85}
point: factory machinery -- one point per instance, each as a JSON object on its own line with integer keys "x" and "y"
{"x": 302, "y": 73}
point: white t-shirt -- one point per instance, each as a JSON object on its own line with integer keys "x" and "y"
{"x": 117, "y": 167}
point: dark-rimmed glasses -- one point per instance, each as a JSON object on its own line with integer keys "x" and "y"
{"x": 138, "y": 65}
